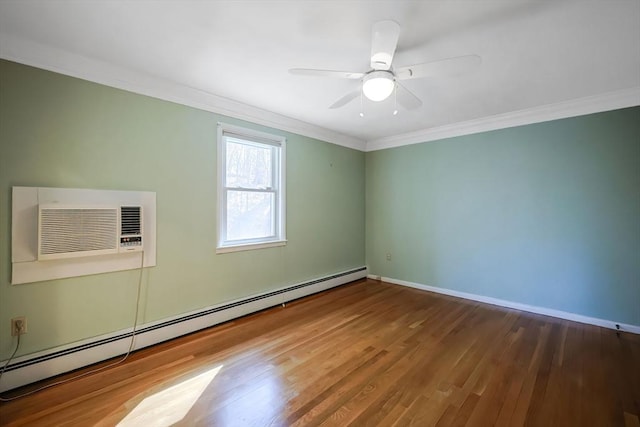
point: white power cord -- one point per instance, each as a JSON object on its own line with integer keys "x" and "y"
{"x": 133, "y": 336}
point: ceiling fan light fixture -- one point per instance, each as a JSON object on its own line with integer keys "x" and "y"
{"x": 378, "y": 85}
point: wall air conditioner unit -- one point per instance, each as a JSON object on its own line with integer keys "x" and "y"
{"x": 78, "y": 231}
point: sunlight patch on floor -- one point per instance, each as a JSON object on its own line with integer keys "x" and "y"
{"x": 170, "y": 405}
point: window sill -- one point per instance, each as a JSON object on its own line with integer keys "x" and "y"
{"x": 250, "y": 246}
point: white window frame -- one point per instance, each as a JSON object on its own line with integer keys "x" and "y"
{"x": 278, "y": 169}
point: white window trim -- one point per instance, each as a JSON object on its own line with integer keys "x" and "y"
{"x": 264, "y": 138}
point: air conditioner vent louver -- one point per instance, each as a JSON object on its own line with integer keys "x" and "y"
{"x": 70, "y": 232}
{"x": 131, "y": 220}
{"x": 73, "y": 231}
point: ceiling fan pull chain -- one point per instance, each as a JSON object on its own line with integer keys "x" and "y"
{"x": 395, "y": 98}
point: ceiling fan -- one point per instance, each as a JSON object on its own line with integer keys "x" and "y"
{"x": 382, "y": 79}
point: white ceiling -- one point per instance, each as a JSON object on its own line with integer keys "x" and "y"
{"x": 534, "y": 53}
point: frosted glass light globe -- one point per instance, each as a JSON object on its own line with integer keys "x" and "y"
{"x": 378, "y": 85}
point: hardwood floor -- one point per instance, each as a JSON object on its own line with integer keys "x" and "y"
{"x": 368, "y": 353}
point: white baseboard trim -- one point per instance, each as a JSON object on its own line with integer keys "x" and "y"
{"x": 37, "y": 366}
{"x": 611, "y": 324}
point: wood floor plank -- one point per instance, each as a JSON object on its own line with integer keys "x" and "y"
{"x": 368, "y": 353}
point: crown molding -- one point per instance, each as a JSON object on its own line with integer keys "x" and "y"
{"x": 63, "y": 62}
{"x": 49, "y": 58}
{"x": 571, "y": 108}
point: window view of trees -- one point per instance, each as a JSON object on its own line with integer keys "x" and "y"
{"x": 250, "y": 190}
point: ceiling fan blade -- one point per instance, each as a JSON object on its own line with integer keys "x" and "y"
{"x": 445, "y": 67}
{"x": 384, "y": 39}
{"x": 326, "y": 73}
{"x": 345, "y": 99}
{"x": 406, "y": 98}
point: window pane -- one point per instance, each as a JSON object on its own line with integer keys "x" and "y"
{"x": 248, "y": 164}
{"x": 249, "y": 215}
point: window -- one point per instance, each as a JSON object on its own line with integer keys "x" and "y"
{"x": 251, "y": 190}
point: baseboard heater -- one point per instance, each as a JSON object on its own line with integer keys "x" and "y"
{"x": 34, "y": 367}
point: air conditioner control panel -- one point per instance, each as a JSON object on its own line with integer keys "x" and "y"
{"x": 132, "y": 243}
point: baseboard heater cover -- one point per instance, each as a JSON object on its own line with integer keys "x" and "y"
{"x": 35, "y": 367}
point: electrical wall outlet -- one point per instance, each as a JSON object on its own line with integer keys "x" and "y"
{"x": 388, "y": 257}
{"x": 18, "y": 326}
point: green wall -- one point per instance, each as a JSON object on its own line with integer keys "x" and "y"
{"x": 545, "y": 214}
{"x": 58, "y": 131}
